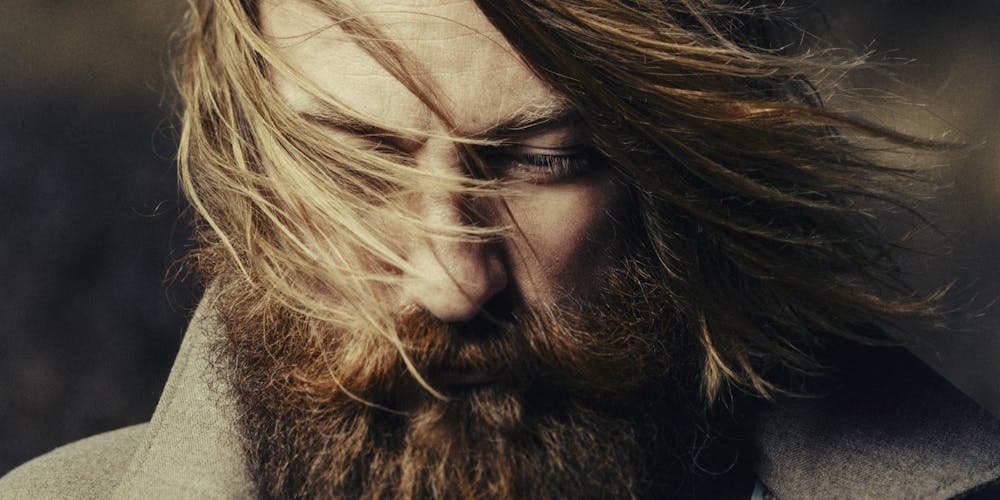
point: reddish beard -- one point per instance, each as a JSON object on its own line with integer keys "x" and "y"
{"x": 574, "y": 405}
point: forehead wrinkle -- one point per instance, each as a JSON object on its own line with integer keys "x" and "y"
{"x": 463, "y": 17}
{"x": 305, "y": 24}
{"x": 315, "y": 28}
{"x": 505, "y": 87}
{"x": 422, "y": 35}
{"x": 375, "y": 10}
{"x": 326, "y": 55}
{"x": 523, "y": 119}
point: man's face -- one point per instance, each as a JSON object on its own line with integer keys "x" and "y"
{"x": 567, "y": 199}
{"x": 551, "y": 342}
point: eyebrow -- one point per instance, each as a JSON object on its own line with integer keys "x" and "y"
{"x": 528, "y": 118}
{"x": 525, "y": 120}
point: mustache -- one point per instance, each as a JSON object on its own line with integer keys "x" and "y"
{"x": 544, "y": 348}
{"x": 494, "y": 335}
{"x": 495, "y": 344}
{"x": 601, "y": 349}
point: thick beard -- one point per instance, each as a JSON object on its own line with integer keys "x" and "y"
{"x": 584, "y": 406}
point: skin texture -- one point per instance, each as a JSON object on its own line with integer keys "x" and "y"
{"x": 549, "y": 343}
{"x": 565, "y": 224}
{"x": 572, "y": 341}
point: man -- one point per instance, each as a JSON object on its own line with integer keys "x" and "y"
{"x": 554, "y": 249}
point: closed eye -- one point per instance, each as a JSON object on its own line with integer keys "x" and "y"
{"x": 541, "y": 165}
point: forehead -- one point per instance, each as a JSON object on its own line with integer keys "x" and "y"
{"x": 474, "y": 71}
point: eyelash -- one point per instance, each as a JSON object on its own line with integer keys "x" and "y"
{"x": 542, "y": 167}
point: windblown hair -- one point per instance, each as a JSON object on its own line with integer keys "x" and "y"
{"x": 758, "y": 203}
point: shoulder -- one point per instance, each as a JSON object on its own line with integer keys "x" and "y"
{"x": 895, "y": 429}
{"x": 88, "y": 468}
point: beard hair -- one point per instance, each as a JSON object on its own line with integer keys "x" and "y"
{"x": 584, "y": 405}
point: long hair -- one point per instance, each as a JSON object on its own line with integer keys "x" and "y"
{"x": 759, "y": 205}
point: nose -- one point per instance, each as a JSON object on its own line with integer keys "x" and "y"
{"x": 452, "y": 279}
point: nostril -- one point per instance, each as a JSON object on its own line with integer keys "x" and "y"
{"x": 455, "y": 286}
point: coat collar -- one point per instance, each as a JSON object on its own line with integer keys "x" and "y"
{"x": 893, "y": 429}
{"x": 191, "y": 447}
{"x": 900, "y": 430}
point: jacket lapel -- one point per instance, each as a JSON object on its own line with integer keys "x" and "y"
{"x": 191, "y": 448}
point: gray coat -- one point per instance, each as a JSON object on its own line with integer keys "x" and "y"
{"x": 912, "y": 437}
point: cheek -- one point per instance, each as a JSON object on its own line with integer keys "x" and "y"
{"x": 568, "y": 233}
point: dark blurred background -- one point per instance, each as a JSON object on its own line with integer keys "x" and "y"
{"x": 88, "y": 218}
{"x": 89, "y": 204}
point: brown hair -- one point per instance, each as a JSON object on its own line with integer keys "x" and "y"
{"x": 757, "y": 202}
